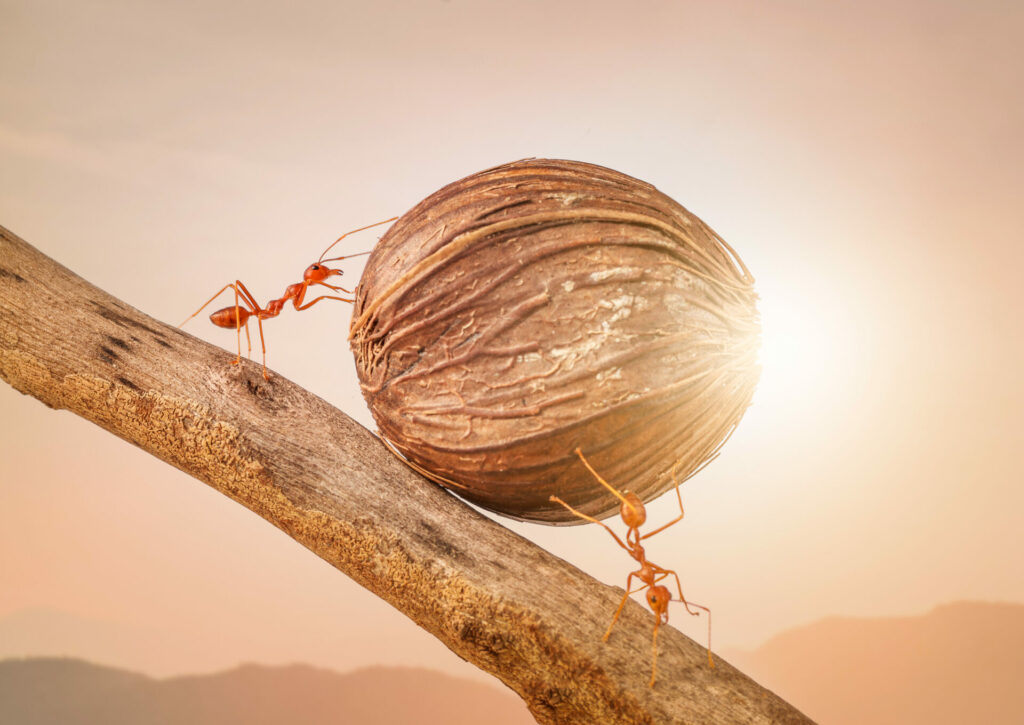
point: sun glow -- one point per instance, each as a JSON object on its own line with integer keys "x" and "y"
{"x": 801, "y": 353}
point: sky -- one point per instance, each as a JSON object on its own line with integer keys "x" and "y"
{"x": 865, "y": 160}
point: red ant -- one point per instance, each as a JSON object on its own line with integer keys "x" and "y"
{"x": 238, "y": 316}
{"x": 634, "y": 515}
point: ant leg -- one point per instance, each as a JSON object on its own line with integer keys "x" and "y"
{"x": 263, "y": 345}
{"x": 238, "y": 324}
{"x": 250, "y": 301}
{"x": 678, "y": 518}
{"x": 258, "y": 312}
{"x": 654, "y": 651}
{"x": 238, "y": 330}
{"x": 667, "y": 572}
{"x": 607, "y": 634}
{"x": 711, "y": 660}
{"x": 322, "y": 297}
{"x": 687, "y": 605}
{"x": 248, "y": 344}
{"x": 336, "y": 288}
{"x": 625, "y": 598}
{"x": 591, "y": 519}
{"x": 254, "y": 309}
{"x": 206, "y": 304}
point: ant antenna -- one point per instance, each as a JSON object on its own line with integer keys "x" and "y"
{"x": 615, "y": 491}
{"x": 335, "y": 259}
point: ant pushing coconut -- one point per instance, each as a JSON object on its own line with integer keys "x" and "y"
{"x": 237, "y": 316}
{"x": 634, "y": 515}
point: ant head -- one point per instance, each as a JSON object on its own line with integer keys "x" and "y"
{"x": 658, "y": 598}
{"x": 632, "y": 511}
{"x": 232, "y": 317}
{"x": 318, "y": 272}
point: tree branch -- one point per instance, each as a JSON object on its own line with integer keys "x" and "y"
{"x": 492, "y": 597}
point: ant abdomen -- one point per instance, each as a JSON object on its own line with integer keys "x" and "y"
{"x": 230, "y": 317}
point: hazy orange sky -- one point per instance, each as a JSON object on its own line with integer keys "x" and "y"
{"x": 865, "y": 160}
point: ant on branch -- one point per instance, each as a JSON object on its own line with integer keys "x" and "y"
{"x": 634, "y": 515}
{"x": 237, "y": 316}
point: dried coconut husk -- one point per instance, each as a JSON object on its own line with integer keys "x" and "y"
{"x": 545, "y": 305}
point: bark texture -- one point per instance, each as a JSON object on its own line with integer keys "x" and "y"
{"x": 492, "y": 597}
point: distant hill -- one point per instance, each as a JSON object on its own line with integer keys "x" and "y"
{"x": 153, "y": 650}
{"x": 960, "y": 663}
{"x": 46, "y": 691}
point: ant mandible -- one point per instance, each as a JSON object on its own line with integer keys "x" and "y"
{"x": 237, "y": 316}
{"x": 633, "y": 514}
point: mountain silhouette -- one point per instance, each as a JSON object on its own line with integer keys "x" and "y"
{"x": 43, "y": 691}
{"x": 959, "y": 663}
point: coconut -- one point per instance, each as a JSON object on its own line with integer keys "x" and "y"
{"x": 543, "y": 306}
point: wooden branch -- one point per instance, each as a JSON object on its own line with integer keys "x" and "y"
{"x": 492, "y": 597}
